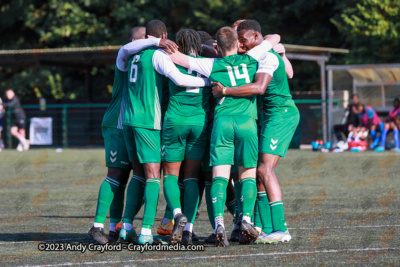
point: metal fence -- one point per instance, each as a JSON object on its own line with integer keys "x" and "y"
{"x": 74, "y": 125}
{"x": 79, "y": 125}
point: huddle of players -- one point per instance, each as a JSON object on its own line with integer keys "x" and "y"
{"x": 190, "y": 134}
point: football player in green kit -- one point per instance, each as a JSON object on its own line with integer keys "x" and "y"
{"x": 234, "y": 135}
{"x": 112, "y": 190}
{"x": 279, "y": 120}
{"x": 184, "y": 138}
{"x": 142, "y": 127}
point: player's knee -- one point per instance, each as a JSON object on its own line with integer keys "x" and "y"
{"x": 265, "y": 171}
{"x": 137, "y": 169}
{"x": 119, "y": 174}
{"x": 152, "y": 170}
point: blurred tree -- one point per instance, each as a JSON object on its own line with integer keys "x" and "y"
{"x": 371, "y": 28}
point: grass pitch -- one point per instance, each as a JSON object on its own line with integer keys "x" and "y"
{"x": 340, "y": 209}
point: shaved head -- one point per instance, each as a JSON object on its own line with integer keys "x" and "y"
{"x": 137, "y": 33}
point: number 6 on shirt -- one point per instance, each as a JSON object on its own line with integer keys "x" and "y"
{"x": 134, "y": 69}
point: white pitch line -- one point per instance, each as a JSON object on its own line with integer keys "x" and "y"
{"x": 349, "y": 227}
{"x": 216, "y": 256}
{"x": 300, "y": 228}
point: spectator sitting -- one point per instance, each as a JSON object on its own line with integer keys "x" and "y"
{"x": 369, "y": 120}
{"x": 390, "y": 124}
{"x": 1, "y": 124}
{"x": 349, "y": 121}
{"x": 18, "y": 119}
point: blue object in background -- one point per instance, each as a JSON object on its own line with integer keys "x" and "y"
{"x": 328, "y": 145}
{"x": 315, "y": 145}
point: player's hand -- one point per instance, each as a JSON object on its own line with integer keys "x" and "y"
{"x": 168, "y": 46}
{"x": 280, "y": 49}
{"x": 217, "y": 89}
{"x": 274, "y": 39}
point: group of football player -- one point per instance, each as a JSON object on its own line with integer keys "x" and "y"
{"x": 203, "y": 115}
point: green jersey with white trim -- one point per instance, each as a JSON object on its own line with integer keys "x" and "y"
{"x": 188, "y": 105}
{"x": 233, "y": 71}
{"x": 145, "y": 91}
{"x": 114, "y": 114}
{"x": 278, "y": 91}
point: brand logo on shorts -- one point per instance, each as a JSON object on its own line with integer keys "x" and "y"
{"x": 112, "y": 157}
{"x": 214, "y": 199}
{"x": 162, "y": 151}
{"x": 241, "y": 199}
{"x": 274, "y": 144}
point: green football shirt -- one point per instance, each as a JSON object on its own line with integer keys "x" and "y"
{"x": 277, "y": 92}
{"x": 144, "y": 92}
{"x": 232, "y": 71}
{"x": 188, "y": 105}
{"x": 115, "y": 111}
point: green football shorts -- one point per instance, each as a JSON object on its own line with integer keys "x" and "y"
{"x": 115, "y": 147}
{"x": 183, "y": 141}
{"x": 234, "y": 142}
{"x": 143, "y": 144}
{"x": 277, "y": 129}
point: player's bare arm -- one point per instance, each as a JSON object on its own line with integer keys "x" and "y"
{"x": 180, "y": 59}
{"x": 259, "y": 86}
{"x": 280, "y": 49}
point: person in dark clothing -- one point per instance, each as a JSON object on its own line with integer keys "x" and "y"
{"x": 18, "y": 119}
{"x": 1, "y": 124}
{"x": 349, "y": 120}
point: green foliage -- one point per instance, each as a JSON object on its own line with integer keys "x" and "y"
{"x": 372, "y": 30}
{"x": 56, "y": 86}
{"x": 369, "y": 28}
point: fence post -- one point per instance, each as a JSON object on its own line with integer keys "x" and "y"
{"x": 64, "y": 127}
{"x": 9, "y": 136}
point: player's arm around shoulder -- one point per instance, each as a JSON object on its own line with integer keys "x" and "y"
{"x": 280, "y": 49}
{"x": 267, "y": 64}
{"x": 163, "y": 64}
{"x": 137, "y": 46}
{"x": 201, "y": 65}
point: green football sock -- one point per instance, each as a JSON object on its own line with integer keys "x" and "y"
{"x": 172, "y": 192}
{"x": 134, "y": 198}
{"x": 150, "y": 201}
{"x": 191, "y": 199}
{"x": 218, "y": 195}
{"x": 265, "y": 212}
{"x": 168, "y": 213}
{"x": 181, "y": 191}
{"x": 238, "y": 194}
{"x": 107, "y": 190}
{"x": 278, "y": 217}
{"x": 257, "y": 217}
{"x": 231, "y": 206}
{"x": 249, "y": 195}
{"x": 117, "y": 205}
{"x": 209, "y": 204}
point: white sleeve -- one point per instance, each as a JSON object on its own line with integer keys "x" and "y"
{"x": 132, "y": 48}
{"x": 202, "y": 65}
{"x": 163, "y": 64}
{"x": 260, "y": 50}
{"x": 268, "y": 63}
